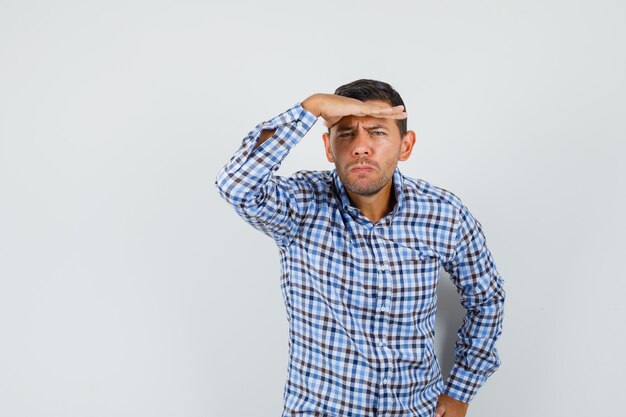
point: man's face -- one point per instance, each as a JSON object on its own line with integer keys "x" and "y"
{"x": 366, "y": 151}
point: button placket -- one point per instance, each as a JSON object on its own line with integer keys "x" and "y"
{"x": 378, "y": 248}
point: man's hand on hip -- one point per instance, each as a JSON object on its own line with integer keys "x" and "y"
{"x": 450, "y": 407}
{"x": 332, "y": 108}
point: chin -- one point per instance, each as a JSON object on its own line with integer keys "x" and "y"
{"x": 367, "y": 189}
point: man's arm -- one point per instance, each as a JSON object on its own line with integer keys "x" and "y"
{"x": 332, "y": 108}
{"x": 474, "y": 273}
{"x": 273, "y": 204}
{"x": 247, "y": 181}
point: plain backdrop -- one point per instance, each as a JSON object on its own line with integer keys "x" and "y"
{"x": 129, "y": 288}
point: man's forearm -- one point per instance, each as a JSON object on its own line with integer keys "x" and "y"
{"x": 247, "y": 182}
{"x": 243, "y": 177}
{"x": 311, "y": 104}
{"x": 265, "y": 135}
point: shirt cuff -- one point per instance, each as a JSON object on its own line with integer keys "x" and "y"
{"x": 462, "y": 384}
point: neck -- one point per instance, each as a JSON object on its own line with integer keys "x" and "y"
{"x": 375, "y": 206}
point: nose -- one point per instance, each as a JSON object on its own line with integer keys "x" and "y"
{"x": 361, "y": 143}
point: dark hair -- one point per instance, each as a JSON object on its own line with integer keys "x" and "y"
{"x": 373, "y": 90}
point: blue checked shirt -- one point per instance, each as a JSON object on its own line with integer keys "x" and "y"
{"x": 361, "y": 297}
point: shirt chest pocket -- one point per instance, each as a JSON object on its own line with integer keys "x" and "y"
{"x": 414, "y": 276}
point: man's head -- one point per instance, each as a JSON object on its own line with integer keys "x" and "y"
{"x": 365, "y": 90}
{"x": 366, "y": 149}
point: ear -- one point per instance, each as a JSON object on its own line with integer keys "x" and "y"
{"x": 329, "y": 152}
{"x": 408, "y": 140}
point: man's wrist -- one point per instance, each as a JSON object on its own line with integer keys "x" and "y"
{"x": 312, "y": 104}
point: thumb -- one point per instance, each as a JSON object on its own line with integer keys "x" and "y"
{"x": 440, "y": 410}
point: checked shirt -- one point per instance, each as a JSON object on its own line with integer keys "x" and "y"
{"x": 361, "y": 297}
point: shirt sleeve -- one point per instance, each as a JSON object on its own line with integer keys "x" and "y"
{"x": 247, "y": 182}
{"x": 480, "y": 286}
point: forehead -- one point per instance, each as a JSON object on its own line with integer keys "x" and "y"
{"x": 348, "y": 122}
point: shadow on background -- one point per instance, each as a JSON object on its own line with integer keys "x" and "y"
{"x": 450, "y": 314}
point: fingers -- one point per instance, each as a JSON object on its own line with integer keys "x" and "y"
{"x": 395, "y": 111}
{"x": 398, "y": 116}
{"x": 329, "y": 122}
{"x": 365, "y": 109}
{"x": 388, "y": 115}
{"x": 440, "y": 410}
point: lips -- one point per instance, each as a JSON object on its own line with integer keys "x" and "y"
{"x": 362, "y": 168}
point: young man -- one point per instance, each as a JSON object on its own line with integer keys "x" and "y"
{"x": 361, "y": 248}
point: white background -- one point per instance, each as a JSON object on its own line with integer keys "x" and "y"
{"x": 129, "y": 288}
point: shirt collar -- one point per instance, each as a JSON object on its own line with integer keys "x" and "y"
{"x": 346, "y": 205}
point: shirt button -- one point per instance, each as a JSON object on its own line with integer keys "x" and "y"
{"x": 385, "y": 381}
{"x": 383, "y": 308}
{"x": 383, "y": 267}
{"x": 381, "y": 343}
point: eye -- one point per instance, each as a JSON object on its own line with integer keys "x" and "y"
{"x": 377, "y": 133}
{"x": 345, "y": 135}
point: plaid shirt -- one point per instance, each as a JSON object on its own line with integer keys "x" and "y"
{"x": 361, "y": 297}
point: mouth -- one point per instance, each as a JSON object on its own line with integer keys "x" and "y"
{"x": 362, "y": 168}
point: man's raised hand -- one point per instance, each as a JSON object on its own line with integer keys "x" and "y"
{"x": 332, "y": 108}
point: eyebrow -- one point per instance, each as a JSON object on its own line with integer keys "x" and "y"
{"x": 351, "y": 127}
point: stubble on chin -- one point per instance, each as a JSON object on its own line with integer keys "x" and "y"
{"x": 365, "y": 188}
